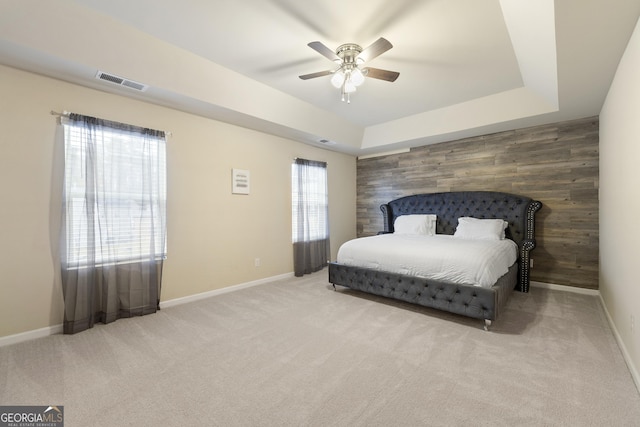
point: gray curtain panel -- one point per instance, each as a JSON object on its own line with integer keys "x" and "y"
{"x": 113, "y": 232}
{"x": 309, "y": 257}
{"x": 311, "y": 249}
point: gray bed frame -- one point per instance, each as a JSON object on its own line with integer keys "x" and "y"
{"x": 467, "y": 300}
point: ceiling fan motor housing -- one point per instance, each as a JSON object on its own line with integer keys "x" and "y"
{"x": 348, "y": 52}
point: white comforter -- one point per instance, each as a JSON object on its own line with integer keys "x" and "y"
{"x": 439, "y": 257}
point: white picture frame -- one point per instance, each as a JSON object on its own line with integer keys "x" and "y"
{"x": 240, "y": 181}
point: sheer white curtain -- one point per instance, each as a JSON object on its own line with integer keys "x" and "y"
{"x": 113, "y": 239}
{"x": 310, "y": 207}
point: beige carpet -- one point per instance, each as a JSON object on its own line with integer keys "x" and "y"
{"x": 295, "y": 353}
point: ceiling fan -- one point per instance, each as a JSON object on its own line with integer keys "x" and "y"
{"x": 349, "y": 57}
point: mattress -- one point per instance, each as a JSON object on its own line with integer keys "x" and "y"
{"x": 440, "y": 257}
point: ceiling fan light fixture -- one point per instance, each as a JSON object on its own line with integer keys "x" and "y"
{"x": 349, "y": 87}
{"x": 337, "y": 80}
{"x": 356, "y": 77}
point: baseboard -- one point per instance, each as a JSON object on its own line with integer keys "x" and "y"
{"x": 625, "y": 354}
{"x": 57, "y": 329}
{"x": 208, "y": 294}
{"x": 30, "y": 335}
{"x": 565, "y": 288}
{"x": 623, "y": 349}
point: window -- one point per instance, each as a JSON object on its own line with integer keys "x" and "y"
{"x": 309, "y": 200}
{"x": 115, "y": 193}
{"x": 310, "y": 216}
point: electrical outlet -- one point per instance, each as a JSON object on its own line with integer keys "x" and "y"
{"x": 256, "y": 262}
{"x": 633, "y": 322}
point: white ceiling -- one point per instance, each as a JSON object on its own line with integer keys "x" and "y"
{"x": 467, "y": 67}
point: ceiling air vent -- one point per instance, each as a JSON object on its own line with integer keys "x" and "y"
{"x": 327, "y": 142}
{"x": 121, "y": 81}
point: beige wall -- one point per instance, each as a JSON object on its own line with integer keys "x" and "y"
{"x": 213, "y": 236}
{"x": 620, "y": 201}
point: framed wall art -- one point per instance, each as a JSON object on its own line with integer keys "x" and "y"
{"x": 240, "y": 181}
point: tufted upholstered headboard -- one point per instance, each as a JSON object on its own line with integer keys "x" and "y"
{"x": 518, "y": 211}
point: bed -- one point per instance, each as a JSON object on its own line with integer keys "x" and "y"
{"x": 467, "y": 297}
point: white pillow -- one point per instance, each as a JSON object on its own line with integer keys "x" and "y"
{"x": 415, "y": 224}
{"x": 482, "y": 229}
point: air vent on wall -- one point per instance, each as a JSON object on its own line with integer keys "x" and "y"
{"x": 121, "y": 81}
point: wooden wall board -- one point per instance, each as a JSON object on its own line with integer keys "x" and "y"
{"x": 556, "y": 164}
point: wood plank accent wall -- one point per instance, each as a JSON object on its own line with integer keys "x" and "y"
{"x": 556, "y": 164}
